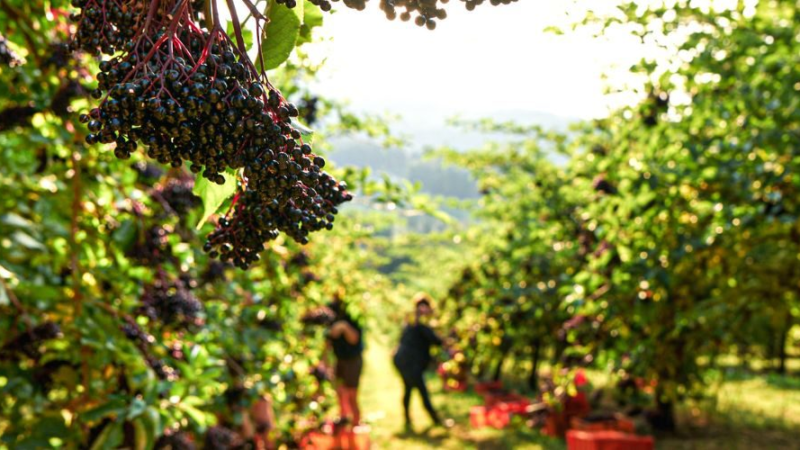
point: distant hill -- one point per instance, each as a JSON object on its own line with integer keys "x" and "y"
{"x": 424, "y": 130}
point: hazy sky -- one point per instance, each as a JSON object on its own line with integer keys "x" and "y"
{"x": 475, "y": 63}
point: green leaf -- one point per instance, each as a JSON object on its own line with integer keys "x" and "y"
{"x": 194, "y": 414}
{"x": 125, "y": 234}
{"x": 27, "y": 241}
{"x": 142, "y": 437}
{"x": 110, "y": 437}
{"x": 212, "y": 194}
{"x": 247, "y": 35}
{"x": 312, "y": 18}
{"x": 281, "y": 33}
{"x": 136, "y": 408}
{"x": 152, "y": 422}
{"x": 115, "y": 406}
{"x": 16, "y": 221}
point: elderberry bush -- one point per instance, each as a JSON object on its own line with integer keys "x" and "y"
{"x": 189, "y": 95}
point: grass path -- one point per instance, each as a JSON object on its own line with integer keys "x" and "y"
{"x": 381, "y": 403}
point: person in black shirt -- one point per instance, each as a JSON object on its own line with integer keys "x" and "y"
{"x": 345, "y": 337}
{"x": 413, "y": 356}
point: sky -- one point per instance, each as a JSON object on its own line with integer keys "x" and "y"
{"x": 494, "y": 60}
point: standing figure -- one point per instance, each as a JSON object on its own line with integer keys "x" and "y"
{"x": 345, "y": 338}
{"x": 413, "y": 356}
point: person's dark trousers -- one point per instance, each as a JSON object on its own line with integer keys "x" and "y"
{"x": 412, "y": 379}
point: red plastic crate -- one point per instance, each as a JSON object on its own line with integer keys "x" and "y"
{"x": 346, "y": 440}
{"x": 477, "y": 416}
{"x": 555, "y": 425}
{"x": 488, "y": 386}
{"x": 483, "y": 416}
{"x": 607, "y": 440}
{"x": 515, "y": 402}
{"x": 497, "y": 416}
{"x": 621, "y": 424}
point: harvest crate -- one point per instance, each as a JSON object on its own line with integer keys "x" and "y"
{"x": 488, "y": 387}
{"x": 514, "y": 402}
{"x": 487, "y": 416}
{"x": 618, "y": 423}
{"x": 356, "y": 439}
{"x": 607, "y": 440}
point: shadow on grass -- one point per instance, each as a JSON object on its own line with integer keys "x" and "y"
{"x": 519, "y": 437}
{"x": 783, "y": 382}
{"x": 428, "y": 437}
{"x": 776, "y": 380}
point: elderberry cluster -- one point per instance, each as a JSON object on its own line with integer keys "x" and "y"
{"x": 28, "y": 342}
{"x": 170, "y": 303}
{"x": 219, "y": 438}
{"x": 106, "y": 26}
{"x": 471, "y": 4}
{"x": 177, "y": 194}
{"x": 153, "y": 249}
{"x": 8, "y": 57}
{"x": 148, "y": 173}
{"x": 427, "y": 12}
{"x": 300, "y": 259}
{"x": 309, "y": 109}
{"x": 142, "y": 340}
{"x": 260, "y": 215}
{"x": 188, "y": 95}
{"x": 135, "y": 334}
{"x": 15, "y": 116}
{"x": 174, "y": 440}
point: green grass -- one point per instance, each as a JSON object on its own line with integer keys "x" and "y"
{"x": 748, "y": 412}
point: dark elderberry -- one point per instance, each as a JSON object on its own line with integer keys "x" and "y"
{"x": 174, "y": 441}
{"x": 153, "y": 248}
{"x": 29, "y": 341}
{"x": 221, "y": 438}
{"x": 171, "y": 304}
{"x": 163, "y": 372}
